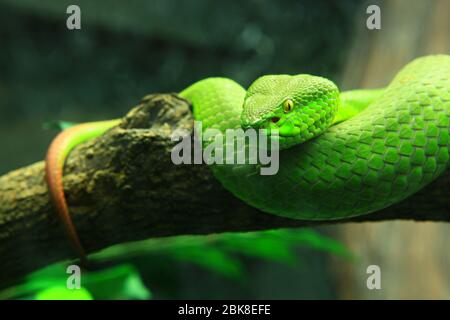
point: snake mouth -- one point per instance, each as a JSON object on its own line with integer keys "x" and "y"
{"x": 273, "y": 126}
{"x": 275, "y": 119}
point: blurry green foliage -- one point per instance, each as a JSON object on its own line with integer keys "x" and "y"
{"x": 62, "y": 293}
{"x": 221, "y": 254}
{"x": 117, "y": 282}
{"x": 58, "y": 125}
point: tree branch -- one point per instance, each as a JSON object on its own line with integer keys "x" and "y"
{"x": 123, "y": 187}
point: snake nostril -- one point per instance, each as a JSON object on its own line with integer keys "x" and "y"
{"x": 275, "y": 119}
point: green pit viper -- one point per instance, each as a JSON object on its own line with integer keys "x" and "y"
{"x": 343, "y": 154}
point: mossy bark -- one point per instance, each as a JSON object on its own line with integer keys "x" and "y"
{"x": 123, "y": 187}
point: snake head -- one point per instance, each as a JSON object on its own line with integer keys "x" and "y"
{"x": 297, "y": 108}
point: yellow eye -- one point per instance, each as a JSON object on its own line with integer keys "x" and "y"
{"x": 288, "y": 105}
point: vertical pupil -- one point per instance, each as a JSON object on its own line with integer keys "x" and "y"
{"x": 288, "y": 105}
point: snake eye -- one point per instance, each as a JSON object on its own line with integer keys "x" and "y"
{"x": 288, "y": 105}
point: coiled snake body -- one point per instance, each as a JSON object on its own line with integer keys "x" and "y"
{"x": 396, "y": 144}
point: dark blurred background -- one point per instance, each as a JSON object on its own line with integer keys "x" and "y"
{"x": 127, "y": 49}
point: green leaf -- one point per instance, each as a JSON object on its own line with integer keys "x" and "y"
{"x": 62, "y": 293}
{"x": 315, "y": 240}
{"x": 210, "y": 258}
{"x": 118, "y": 282}
{"x": 263, "y": 246}
{"x": 58, "y": 125}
